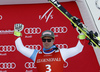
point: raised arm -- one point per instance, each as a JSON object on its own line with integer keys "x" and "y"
{"x": 18, "y": 42}
{"x": 67, "y": 53}
{"x": 20, "y": 47}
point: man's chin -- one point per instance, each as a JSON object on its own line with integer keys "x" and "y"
{"x": 47, "y": 47}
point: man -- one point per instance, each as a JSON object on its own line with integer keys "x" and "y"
{"x": 50, "y": 59}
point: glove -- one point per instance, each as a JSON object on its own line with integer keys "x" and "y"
{"x": 81, "y": 35}
{"x": 17, "y": 29}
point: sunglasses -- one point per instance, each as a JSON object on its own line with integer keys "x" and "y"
{"x": 48, "y": 40}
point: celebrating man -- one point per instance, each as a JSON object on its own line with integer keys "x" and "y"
{"x": 50, "y": 59}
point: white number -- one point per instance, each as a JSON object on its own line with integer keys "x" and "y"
{"x": 49, "y": 68}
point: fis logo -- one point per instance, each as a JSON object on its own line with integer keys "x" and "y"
{"x": 1, "y": 17}
{"x": 47, "y": 15}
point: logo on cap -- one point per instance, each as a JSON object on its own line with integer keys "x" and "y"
{"x": 47, "y": 33}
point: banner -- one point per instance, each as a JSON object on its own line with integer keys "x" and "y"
{"x": 36, "y": 19}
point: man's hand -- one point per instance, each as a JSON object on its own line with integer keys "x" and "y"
{"x": 81, "y": 35}
{"x": 17, "y": 29}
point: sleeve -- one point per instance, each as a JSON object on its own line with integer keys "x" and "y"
{"x": 25, "y": 51}
{"x": 67, "y": 53}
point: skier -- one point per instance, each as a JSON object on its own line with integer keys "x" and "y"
{"x": 50, "y": 59}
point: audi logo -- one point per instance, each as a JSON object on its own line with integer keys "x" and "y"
{"x": 60, "y": 46}
{"x": 59, "y": 29}
{"x": 38, "y": 47}
{"x": 65, "y": 64}
{"x": 32, "y": 30}
{"x": 7, "y": 48}
{"x": 29, "y": 65}
{"x": 0, "y": 17}
{"x": 9, "y": 65}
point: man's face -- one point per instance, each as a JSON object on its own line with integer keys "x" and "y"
{"x": 47, "y": 42}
